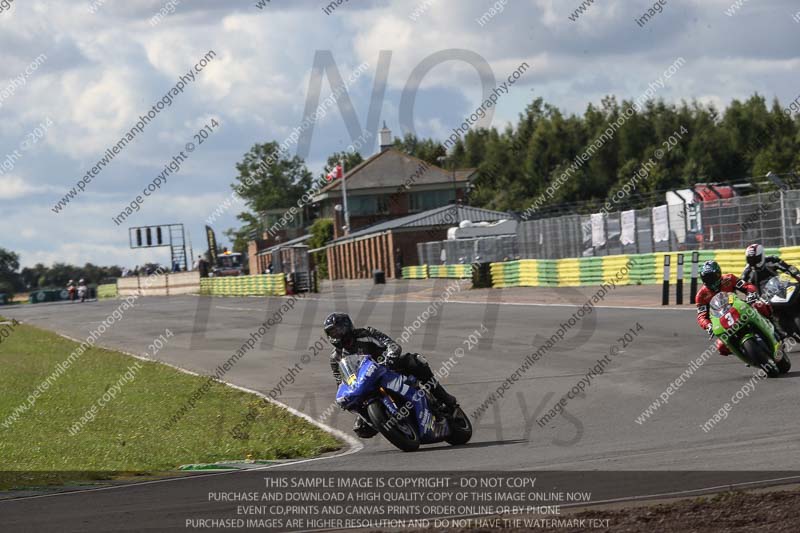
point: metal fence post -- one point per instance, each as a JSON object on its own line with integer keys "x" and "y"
{"x": 652, "y": 230}
{"x": 783, "y": 220}
{"x": 693, "y": 284}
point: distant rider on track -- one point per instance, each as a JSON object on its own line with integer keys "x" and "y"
{"x": 82, "y": 290}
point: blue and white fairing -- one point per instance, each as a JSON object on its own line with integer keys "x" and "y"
{"x": 362, "y": 380}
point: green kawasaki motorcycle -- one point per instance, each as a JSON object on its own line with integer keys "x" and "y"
{"x": 748, "y": 334}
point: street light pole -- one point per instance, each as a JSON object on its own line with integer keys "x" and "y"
{"x": 441, "y": 159}
{"x": 455, "y": 193}
{"x": 344, "y": 196}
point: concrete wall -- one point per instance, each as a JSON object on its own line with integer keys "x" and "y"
{"x": 183, "y": 282}
{"x": 161, "y": 285}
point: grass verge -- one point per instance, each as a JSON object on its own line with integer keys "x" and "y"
{"x": 126, "y": 434}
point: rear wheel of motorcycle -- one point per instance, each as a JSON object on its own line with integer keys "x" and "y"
{"x": 796, "y": 324}
{"x": 399, "y": 432}
{"x": 460, "y": 428}
{"x": 758, "y": 353}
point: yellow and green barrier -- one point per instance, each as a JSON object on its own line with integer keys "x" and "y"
{"x": 633, "y": 269}
{"x": 107, "y": 290}
{"x": 415, "y": 272}
{"x": 459, "y": 271}
{"x": 260, "y": 285}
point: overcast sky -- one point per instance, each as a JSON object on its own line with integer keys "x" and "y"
{"x": 97, "y": 72}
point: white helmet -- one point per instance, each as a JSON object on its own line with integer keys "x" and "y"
{"x": 81, "y": 281}
{"x": 755, "y": 256}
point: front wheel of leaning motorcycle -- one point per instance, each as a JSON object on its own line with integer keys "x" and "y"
{"x": 784, "y": 365}
{"x": 759, "y": 355}
{"x": 460, "y": 428}
{"x": 399, "y": 432}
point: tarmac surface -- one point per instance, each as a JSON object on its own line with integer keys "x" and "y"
{"x": 597, "y": 432}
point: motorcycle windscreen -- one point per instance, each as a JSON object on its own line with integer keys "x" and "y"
{"x": 722, "y": 308}
{"x": 359, "y": 378}
{"x": 778, "y": 290}
{"x": 349, "y": 366}
{"x": 721, "y": 303}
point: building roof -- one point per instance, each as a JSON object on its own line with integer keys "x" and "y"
{"x": 299, "y": 240}
{"x": 440, "y": 216}
{"x": 393, "y": 169}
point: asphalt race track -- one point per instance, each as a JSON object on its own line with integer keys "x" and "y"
{"x": 598, "y": 431}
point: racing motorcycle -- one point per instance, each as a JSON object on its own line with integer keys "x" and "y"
{"x": 782, "y": 294}
{"x": 397, "y": 406}
{"x": 747, "y": 334}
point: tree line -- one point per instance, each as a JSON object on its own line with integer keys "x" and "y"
{"x": 13, "y": 280}
{"x": 516, "y": 163}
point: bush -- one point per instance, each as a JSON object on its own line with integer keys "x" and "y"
{"x": 321, "y": 233}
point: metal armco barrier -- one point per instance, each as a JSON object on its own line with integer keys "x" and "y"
{"x": 665, "y": 287}
{"x": 679, "y": 282}
{"x": 693, "y": 284}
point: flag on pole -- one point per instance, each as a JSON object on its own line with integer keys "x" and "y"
{"x": 335, "y": 173}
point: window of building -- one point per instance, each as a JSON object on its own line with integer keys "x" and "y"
{"x": 368, "y": 204}
{"x": 362, "y": 205}
{"x": 424, "y": 200}
{"x": 383, "y": 203}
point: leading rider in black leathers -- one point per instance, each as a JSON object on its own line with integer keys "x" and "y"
{"x": 347, "y": 339}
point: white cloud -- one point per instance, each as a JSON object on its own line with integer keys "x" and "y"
{"x": 12, "y": 187}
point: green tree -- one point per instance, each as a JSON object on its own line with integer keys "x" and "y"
{"x": 9, "y": 264}
{"x": 57, "y": 275}
{"x": 351, "y": 160}
{"x": 269, "y": 180}
{"x": 321, "y": 234}
{"x": 426, "y": 149}
{"x": 518, "y": 165}
{"x": 253, "y": 226}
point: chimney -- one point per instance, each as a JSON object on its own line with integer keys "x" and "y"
{"x": 386, "y": 137}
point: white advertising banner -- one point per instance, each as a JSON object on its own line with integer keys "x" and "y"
{"x": 627, "y": 233}
{"x": 598, "y": 230}
{"x": 660, "y": 224}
